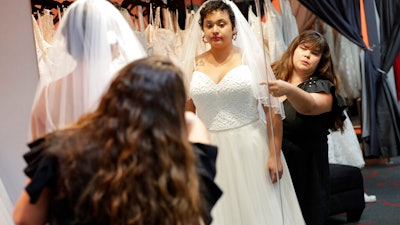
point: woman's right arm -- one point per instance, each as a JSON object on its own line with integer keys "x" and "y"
{"x": 26, "y": 213}
{"x": 190, "y": 106}
{"x": 302, "y": 101}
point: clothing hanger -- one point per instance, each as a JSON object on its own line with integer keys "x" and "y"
{"x": 38, "y": 7}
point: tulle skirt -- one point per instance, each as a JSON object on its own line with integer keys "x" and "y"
{"x": 249, "y": 197}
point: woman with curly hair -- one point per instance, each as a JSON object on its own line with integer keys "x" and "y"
{"x": 128, "y": 162}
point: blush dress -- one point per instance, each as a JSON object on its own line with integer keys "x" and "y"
{"x": 229, "y": 110}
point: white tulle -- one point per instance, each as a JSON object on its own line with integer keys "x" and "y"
{"x": 92, "y": 42}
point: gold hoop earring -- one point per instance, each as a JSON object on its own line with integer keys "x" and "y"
{"x": 204, "y": 39}
{"x": 234, "y": 36}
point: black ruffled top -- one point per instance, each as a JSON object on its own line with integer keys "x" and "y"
{"x": 305, "y": 127}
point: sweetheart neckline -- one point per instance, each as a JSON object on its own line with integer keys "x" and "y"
{"x": 223, "y": 78}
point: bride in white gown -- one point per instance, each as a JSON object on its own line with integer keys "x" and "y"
{"x": 225, "y": 92}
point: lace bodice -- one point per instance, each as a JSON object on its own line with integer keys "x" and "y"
{"x": 227, "y": 104}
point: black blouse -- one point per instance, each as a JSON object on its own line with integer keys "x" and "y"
{"x": 297, "y": 126}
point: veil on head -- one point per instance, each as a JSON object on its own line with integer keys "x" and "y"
{"x": 92, "y": 42}
{"x": 253, "y": 55}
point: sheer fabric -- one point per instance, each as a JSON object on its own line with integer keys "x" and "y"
{"x": 92, "y": 42}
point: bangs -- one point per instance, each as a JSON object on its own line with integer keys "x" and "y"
{"x": 314, "y": 45}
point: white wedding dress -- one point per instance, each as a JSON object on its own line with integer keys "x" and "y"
{"x": 229, "y": 110}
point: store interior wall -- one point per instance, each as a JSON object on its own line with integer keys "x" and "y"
{"x": 18, "y": 79}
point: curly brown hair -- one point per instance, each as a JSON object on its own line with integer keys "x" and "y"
{"x": 130, "y": 162}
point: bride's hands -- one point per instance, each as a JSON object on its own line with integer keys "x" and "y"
{"x": 275, "y": 168}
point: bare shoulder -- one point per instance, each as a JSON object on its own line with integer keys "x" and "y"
{"x": 201, "y": 59}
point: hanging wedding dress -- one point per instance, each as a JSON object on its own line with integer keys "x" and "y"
{"x": 348, "y": 67}
{"x": 161, "y": 41}
{"x": 42, "y": 47}
{"x": 140, "y": 27}
{"x": 346, "y": 59}
{"x": 272, "y": 30}
{"x": 289, "y": 24}
{"x": 255, "y": 24}
{"x": 46, "y": 25}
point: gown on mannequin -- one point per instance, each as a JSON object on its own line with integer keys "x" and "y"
{"x": 229, "y": 110}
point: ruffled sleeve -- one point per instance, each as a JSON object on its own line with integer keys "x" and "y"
{"x": 34, "y": 156}
{"x": 206, "y": 156}
{"x": 315, "y": 84}
{"x": 40, "y": 168}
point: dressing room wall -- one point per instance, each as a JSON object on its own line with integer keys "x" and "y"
{"x": 18, "y": 79}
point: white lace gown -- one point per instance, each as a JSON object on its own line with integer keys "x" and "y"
{"x": 230, "y": 113}
{"x": 5, "y": 207}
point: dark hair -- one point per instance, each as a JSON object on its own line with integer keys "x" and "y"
{"x": 129, "y": 161}
{"x": 215, "y": 5}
